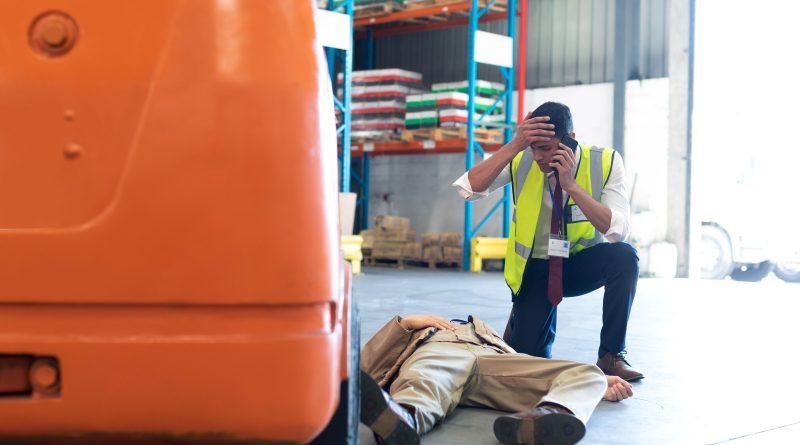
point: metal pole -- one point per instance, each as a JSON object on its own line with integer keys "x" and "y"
{"x": 522, "y": 59}
{"x": 370, "y": 63}
{"x": 347, "y": 101}
{"x": 471, "y": 77}
{"x": 365, "y": 160}
{"x": 330, "y": 54}
{"x": 691, "y": 230}
{"x": 507, "y": 137}
{"x": 620, "y": 74}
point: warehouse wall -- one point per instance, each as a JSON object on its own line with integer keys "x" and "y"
{"x": 419, "y": 186}
{"x": 570, "y": 42}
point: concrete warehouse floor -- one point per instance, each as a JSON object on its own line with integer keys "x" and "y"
{"x": 720, "y": 357}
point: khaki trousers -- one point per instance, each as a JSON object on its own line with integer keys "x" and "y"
{"x": 458, "y": 369}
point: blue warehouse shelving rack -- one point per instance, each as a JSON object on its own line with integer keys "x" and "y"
{"x": 345, "y": 57}
{"x": 440, "y": 14}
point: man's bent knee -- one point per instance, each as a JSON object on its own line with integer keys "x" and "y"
{"x": 625, "y": 257}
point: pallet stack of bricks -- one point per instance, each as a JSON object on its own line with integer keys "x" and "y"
{"x": 442, "y": 247}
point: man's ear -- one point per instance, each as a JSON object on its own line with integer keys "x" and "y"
{"x": 572, "y": 135}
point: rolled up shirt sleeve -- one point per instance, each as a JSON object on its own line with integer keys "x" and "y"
{"x": 615, "y": 196}
{"x": 465, "y": 188}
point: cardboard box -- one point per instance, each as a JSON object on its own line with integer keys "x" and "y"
{"x": 453, "y": 239}
{"x": 452, "y": 254}
{"x": 392, "y": 222}
{"x": 406, "y": 235}
{"x": 432, "y": 253}
{"x": 412, "y": 251}
{"x": 388, "y": 249}
{"x": 430, "y": 239}
{"x": 369, "y": 239}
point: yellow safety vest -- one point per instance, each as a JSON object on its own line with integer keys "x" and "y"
{"x": 527, "y": 181}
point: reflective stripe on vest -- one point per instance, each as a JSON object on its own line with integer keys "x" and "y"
{"x": 592, "y": 173}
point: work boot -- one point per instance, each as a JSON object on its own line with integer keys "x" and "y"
{"x": 391, "y": 423}
{"x": 548, "y": 424}
{"x": 615, "y": 364}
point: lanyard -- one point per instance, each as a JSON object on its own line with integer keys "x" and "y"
{"x": 559, "y": 207}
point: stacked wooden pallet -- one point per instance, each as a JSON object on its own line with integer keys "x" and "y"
{"x": 482, "y": 135}
{"x": 371, "y": 12}
{"x": 374, "y": 8}
{"x": 414, "y": 4}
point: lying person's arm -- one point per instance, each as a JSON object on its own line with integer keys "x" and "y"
{"x": 384, "y": 348}
{"x": 617, "y": 390}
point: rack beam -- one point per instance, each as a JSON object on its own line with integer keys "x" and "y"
{"x": 431, "y": 26}
{"x": 417, "y": 147}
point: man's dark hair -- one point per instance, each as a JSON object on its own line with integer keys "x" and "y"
{"x": 560, "y": 116}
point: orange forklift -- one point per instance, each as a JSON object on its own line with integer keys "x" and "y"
{"x": 170, "y": 269}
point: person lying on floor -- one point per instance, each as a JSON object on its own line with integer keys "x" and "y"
{"x": 431, "y": 365}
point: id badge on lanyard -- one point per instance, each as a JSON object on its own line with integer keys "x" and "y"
{"x": 558, "y": 244}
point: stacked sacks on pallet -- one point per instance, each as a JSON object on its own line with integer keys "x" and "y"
{"x": 421, "y": 111}
{"x": 452, "y": 101}
{"x": 452, "y": 109}
{"x": 379, "y": 101}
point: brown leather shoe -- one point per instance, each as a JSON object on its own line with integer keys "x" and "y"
{"x": 615, "y": 364}
{"x": 546, "y": 425}
{"x": 391, "y": 423}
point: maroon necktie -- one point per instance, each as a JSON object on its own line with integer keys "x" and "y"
{"x": 555, "y": 291}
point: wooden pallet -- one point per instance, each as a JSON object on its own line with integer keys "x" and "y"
{"x": 402, "y": 263}
{"x": 499, "y": 5}
{"x": 435, "y": 264}
{"x": 376, "y": 10}
{"x": 397, "y": 263}
{"x": 482, "y": 135}
{"x": 433, "y": 11}
{"x": 394, "y": 137}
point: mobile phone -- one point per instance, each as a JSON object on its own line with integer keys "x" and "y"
{"x": 569, "y": 142}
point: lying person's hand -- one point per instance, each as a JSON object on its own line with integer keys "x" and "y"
{"x": 415, "y": 322}
{"x": 618, "y": 389}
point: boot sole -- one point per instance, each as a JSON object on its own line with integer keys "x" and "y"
{"x": 379, "y": 417}
{"x": 550, "y": 429}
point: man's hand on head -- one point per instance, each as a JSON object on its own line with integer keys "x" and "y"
{"x": 416, "y": 322}
{"x": 617, "y": 390}
{"x": 532, "y": 130}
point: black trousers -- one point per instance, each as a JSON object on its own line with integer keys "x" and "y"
{"x": 613, "y": 265}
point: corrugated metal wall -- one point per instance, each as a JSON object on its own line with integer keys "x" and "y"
{"x": 569, "y": 42}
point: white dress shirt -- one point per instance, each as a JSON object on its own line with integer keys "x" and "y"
{"x": 613, "y": 195}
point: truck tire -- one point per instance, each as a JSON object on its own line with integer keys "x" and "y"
{"x": 752, "y": 272}
{"x": 789, "y": 272}
{"x": 716, "y": 253}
